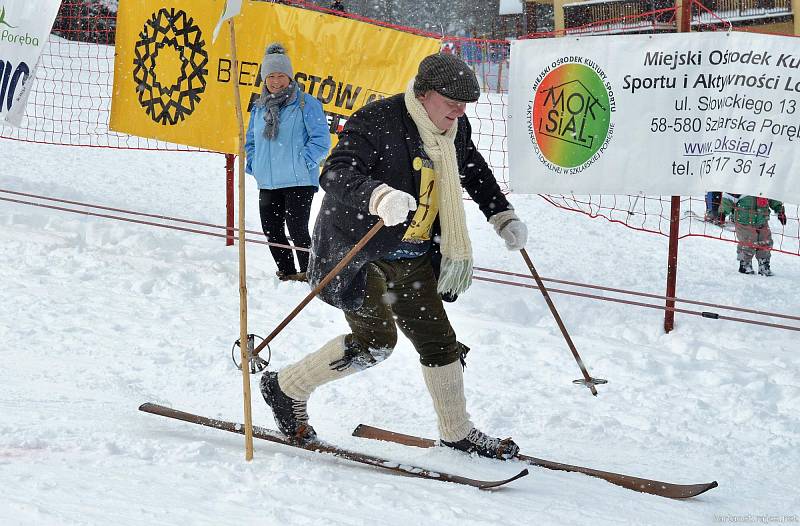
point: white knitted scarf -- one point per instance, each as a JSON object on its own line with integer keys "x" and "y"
{"x": 456, "y": 270}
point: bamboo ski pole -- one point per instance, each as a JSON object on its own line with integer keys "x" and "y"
{"x": 587, "y": 380}
{"x": 245, "y": 348}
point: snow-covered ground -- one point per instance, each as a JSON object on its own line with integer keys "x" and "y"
{"x": 98, "y": 316}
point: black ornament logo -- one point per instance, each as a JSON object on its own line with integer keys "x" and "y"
{"x": 170, "y": 41}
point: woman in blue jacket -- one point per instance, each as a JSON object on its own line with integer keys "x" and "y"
{"x": 287, "y": 139}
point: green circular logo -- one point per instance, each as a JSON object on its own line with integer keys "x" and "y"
{"x": 570, "y": 115}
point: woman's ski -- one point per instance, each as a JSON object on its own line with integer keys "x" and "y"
{"x": 654, "y": 487}
{"x": 321, "y": 447}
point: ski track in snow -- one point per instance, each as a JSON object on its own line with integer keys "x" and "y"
{"x": 99, "y": 316}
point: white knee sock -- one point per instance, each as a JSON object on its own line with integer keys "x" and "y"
{"x": 300, "y": 379}
{"x": 446, "y": 385}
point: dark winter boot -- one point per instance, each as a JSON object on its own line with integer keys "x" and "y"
{"x": 482, "y": 444}
{"x": 291, "y": 415}
{"x": 763, "y": 268}
{"x": 746, "y": 267}
{"x": 446, "y": 386}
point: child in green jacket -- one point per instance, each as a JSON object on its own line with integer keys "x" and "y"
{"x": 751, "y": 217}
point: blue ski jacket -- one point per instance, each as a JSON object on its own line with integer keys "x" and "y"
{"x": 294, "y": 156}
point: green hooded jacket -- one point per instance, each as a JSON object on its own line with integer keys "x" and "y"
{"x": 749, "y": 209}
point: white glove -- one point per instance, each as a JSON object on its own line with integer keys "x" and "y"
{"x": 509, "y": 227}
{"x": 391, "y": 205}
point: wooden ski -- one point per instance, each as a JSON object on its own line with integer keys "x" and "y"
{"x": 653, "y": 487}
{"x": 322, "y": 447}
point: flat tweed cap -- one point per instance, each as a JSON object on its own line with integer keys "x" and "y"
{"x": 447, "y": 75}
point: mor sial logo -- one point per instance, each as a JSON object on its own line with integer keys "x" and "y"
{"x": 570, "y": 115}
{"x": 170, "y": 66}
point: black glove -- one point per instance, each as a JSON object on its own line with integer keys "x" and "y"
{"x": 782, "y": 216}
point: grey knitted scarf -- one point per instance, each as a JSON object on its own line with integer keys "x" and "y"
{"x": 273, "y": 102}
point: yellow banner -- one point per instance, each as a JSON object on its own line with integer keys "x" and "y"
{"x": 172, "y": 84}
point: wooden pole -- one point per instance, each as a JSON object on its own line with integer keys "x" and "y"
{"x": 558, "y": 17}
{"x": 796, "y": 16}
{"x": 229, "y": 208}
{"x": 243, "y": 340}
{"x": 684, "y": 8}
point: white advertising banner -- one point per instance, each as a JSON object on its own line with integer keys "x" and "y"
{"x": 669, "y": 114}
{"x": 24, "y": 27}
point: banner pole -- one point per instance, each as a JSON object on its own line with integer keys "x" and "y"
{"x": 243, "y": 339}
{"x": 672, "y": 262}
{"x": 684, "y": 8}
